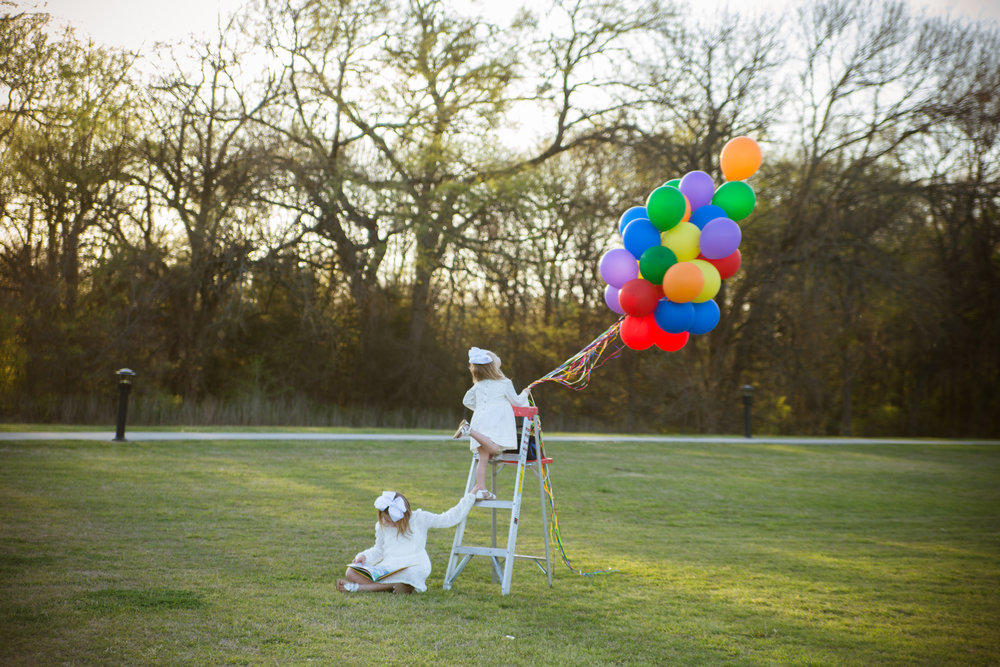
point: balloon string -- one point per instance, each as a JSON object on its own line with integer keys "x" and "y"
{"x": 575, "y": 371}
{"x": 554, "y": 531}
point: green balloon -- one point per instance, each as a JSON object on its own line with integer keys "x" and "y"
{"x": 736, "y": 198}
{"x": 654, "y": 263}
{"x": 674, "y": 183}
{"x": 665, "y": 206}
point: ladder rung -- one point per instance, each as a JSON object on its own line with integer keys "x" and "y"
{"x": 481, "y": 551}
{"x": 496, "y": 504}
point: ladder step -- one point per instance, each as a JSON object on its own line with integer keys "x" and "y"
{"x": 496, "y": 504}
{"x": 481, "y": 551}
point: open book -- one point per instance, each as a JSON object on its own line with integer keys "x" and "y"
{"x": 374, "y": 573}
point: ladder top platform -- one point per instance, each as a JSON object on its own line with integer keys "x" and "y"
{"x": 526, "y": 411}
{"x": 511, "y": 457}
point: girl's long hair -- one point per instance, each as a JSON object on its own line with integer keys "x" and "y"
{"x": 490, "y": 371}
{"x": 403, "y": 525}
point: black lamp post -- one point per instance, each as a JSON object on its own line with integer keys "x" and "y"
{"x": 747, "y": 390}
{"x": 125, "y": 376}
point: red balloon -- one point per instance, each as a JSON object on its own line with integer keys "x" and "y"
{"x": 638, "y": 333}
{"x": 671, "y": 342}
{"x": 727, "y": 266}
{"x": 638, "y": 297}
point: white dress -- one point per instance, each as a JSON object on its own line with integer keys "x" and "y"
{"x": 393, "y": 551}
{"x": 493, "y": 416}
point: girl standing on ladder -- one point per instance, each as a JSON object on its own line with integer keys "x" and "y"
{"x": 493, "y": 428}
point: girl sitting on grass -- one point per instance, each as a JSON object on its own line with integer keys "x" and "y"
{"x": 398, "y": 561}
{"x": 493, "y": 428}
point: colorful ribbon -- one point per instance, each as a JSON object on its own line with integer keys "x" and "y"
{"x": 575, "y": 371}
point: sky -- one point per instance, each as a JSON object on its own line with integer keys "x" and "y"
{"x": 138, "y": 24}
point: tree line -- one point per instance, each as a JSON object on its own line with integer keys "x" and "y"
{"x": 310, "y": 216}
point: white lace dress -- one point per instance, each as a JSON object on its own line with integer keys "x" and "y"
{"x": 393, "y": 551}
{"x": 493, "y": 416}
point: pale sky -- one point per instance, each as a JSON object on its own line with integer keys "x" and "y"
{"x": 137, "y": 24}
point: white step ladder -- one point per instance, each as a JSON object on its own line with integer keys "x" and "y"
{"x": 504, "y": 556}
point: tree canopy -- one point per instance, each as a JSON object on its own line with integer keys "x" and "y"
{"x": 310, "y": 217}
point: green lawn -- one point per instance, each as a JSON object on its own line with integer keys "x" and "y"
{"x": 228, "y": 553}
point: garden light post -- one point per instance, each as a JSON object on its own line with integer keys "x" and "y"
{"x": 747, "y": 390}
{"x": 125, "y": 376}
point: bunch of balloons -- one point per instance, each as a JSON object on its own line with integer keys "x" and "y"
{"x": 679, "y": 248}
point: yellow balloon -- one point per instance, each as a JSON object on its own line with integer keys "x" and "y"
{"x": 713, "y": 281}
{"x": 683, "y": 240}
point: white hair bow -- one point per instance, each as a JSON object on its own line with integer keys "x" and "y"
{"x": 477, "y": 356}
{"x": 389, "y": 501}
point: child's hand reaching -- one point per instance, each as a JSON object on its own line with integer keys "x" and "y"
{"x": 360, "y": 559}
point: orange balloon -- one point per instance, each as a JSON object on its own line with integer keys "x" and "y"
{"x": 740, "y": 159}
{"x": 683, "y": 282}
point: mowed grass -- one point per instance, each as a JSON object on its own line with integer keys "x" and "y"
{"x": 195, "y": 552}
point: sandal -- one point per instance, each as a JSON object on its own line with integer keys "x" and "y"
{"x": 463, "y": 430}
{"x": 483, "y": 494}
{"x": 349, "y": 586}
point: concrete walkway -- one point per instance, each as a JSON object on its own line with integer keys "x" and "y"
{"x": 141, "y": 436}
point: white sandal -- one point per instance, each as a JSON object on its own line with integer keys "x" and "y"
{"x": 463, "y": 430}
{"x": 351, "y": 587}
{"x": 483, "y": 494}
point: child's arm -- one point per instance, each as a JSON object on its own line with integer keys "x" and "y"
{"x": 374, "y": 553}
{"x": 452, "y": 516}
{"x": 469, "y": 400}
{"x": 520, "y": 400}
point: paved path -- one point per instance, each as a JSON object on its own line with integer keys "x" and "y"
{"x": 139, "y": 436}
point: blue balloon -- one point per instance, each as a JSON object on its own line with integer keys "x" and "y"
{"x": 639, "y": 236}
{"x": 705, "y": 317}
{"x": 673, "y": 317}
{"x": 633, "y": 213}
{"x": 705, "y": 214}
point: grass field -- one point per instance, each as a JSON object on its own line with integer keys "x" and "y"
{"x": 215, "y": 553}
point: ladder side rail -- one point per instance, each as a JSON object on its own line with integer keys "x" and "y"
{"x": 542, "y": 472}
{"x": 453, "y": 567}
{"x": 515, "y": 512}
{"x": 494, "y": 576}
{"x": 449, "y": 579}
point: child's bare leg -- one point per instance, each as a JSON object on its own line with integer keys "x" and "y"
{"x": 355, "y": 578}
{"x": 368, "y": 586}
{"x": 484, "y": 441}
{"x": 487, "y": 448}
{"x": 365, "y": 585}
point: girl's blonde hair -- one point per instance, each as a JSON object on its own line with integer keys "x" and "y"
{"x": 403, "y": 525}
{"x": 490, "y": 371}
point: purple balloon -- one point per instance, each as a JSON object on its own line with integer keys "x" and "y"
{"x": 698, "y": 187}
{"x": 720, "y": 238}
{"x": 611, "y": 298}
{"x": 618, "y": 266}
{"x": 633, "y": 213}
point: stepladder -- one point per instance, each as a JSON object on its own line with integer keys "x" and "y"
{"x": 502, "y": 557}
